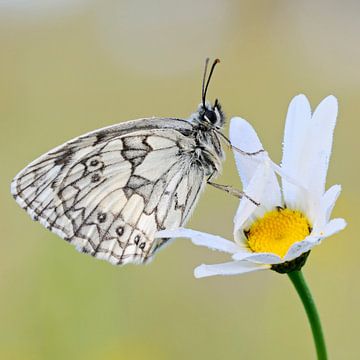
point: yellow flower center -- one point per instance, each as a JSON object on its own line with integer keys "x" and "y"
{"x": 277, "y": 231}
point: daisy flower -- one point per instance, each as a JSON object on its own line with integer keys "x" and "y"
{"x": 275, "y": 227}
{"x": 292, "y": 218}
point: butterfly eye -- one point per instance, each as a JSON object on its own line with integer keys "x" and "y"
{"x": 210, "y": 115}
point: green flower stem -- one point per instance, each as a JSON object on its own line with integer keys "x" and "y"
{"x": 298, "y": 280}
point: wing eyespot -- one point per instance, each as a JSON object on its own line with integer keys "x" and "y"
{"x": 101, "y": 217}
{"x": 94, "y": 163}
{"x": 137, "y": 239}
{"x": 95, "y": 178}
{"x": 120, "y": 230}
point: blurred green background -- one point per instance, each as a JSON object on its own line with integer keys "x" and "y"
{"x": 71, "y": 66}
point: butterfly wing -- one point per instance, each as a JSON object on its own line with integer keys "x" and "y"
{"x": 108, "y": 192}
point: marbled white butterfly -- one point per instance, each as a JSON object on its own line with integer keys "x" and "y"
{"x": 109, "y": 191}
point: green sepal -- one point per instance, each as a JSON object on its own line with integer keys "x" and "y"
{"x": 290, "y": 266}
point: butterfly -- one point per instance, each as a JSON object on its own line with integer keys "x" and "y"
{"x": 109, "y": 191}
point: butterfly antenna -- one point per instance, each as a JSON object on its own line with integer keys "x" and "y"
{"x": 203, "y": 82}
{"x": 216, "y": 61}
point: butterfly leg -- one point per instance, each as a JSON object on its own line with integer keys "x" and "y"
{"x": 242, "y": 152}
{"x": 232, "y": 191}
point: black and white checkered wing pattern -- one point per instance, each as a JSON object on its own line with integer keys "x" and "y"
{"x": 108, "y": 192}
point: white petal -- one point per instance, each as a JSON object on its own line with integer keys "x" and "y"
{"x": 263, "y": 258}
{"x": 244, "y": 137}
{"x": 295, "y": 135}
{"x": 301, "y": 247}
{"x": 327, "y": 204}
{"x": 243, "y": 217}
{"x": 319, "y": 144}
{"x": 279, "y": 171}
{"x": 329, "y": 200}
{"x": 256, "y": 191}
{"x": 272, "y": 196}
{"x": 202, "y": 239}
{"x": 230, "y": 268}
{"x": 263, "y": 189}
{"x": 314, "y": 238}
{"x": 333, "y": 226}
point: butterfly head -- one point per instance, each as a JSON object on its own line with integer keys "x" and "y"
{"x": 211, "y": 115}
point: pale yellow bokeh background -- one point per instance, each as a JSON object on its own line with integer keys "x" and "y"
{"x": 71, "y": 66}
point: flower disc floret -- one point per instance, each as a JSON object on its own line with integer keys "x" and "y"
{"x": 277, "y": 231}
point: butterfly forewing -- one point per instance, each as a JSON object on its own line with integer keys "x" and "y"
{"x": 108, "y": 192}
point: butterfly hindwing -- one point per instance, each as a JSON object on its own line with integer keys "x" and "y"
{"x": 108, "y": 192}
